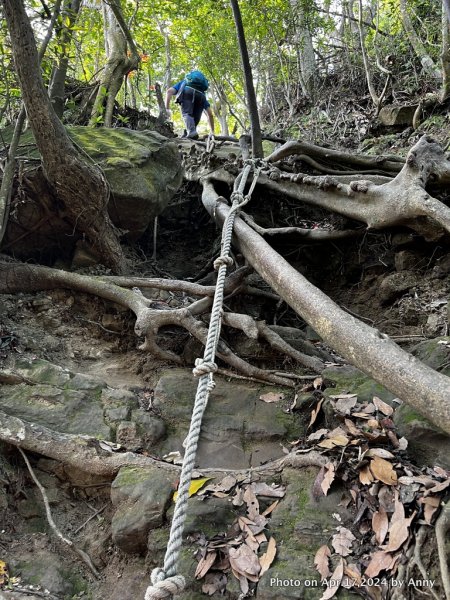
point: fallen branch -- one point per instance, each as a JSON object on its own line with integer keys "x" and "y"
{"x": 90, "y": 455}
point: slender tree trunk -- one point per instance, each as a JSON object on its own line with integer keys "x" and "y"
{"x": 305, "y": 49}
{"x": 446, "y": 7}
{"x": 445, "y": 55}
{"x": 78, "y": 184}
{"x": 248, "y": 78}
{"x": 10, "y": 164}
{"x": 416, "y": 43}
{"x": 117, "y": 40}
{"x": 56, "y": 88}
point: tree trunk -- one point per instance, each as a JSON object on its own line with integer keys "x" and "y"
{"x": 426, "y": 60}
{"x": 446, "y": 7}
{"x": 248, "y": 79}
{"x": 78, "y": 184}
{"x": 445, "y": 55}
{"x": 117, "y": 39}
{"x": 366, "y": 348}
{"x": 305, "y": 47}
{"x": 56, "y": 88}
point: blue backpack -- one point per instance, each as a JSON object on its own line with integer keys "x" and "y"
{"x": 197, "y": 80}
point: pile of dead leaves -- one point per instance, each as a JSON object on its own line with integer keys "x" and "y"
{"x": 245, "y": 551}
{"x": 392, "y": 500}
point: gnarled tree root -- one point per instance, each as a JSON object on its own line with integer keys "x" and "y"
{"x": 366, "y": 348}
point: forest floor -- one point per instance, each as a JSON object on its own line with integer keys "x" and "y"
{"x": 90, "y": 336}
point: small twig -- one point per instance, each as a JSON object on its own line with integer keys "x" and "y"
{"x": 33, "y": 592}
{"x": 295, "y": 376}
{"x": 97, "y": 512}
{"x": 99, "y": 325}
{"x": 84, "y": 557}
{"x": 227, "y": 373}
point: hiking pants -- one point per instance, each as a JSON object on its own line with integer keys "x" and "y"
{"x": 192, "y": 103}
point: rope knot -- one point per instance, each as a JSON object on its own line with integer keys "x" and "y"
{"x": 203, "y": 367}
{"x": 162, "y": 588}
{"x": 237, "y": 197}
{"x": 223, "y": 260}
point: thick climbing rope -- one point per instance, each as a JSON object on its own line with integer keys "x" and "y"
{"x": 166, "y": 583}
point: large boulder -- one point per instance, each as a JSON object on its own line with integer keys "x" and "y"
{"x": 143, "y": 170}
{"x": 238, "y": 429}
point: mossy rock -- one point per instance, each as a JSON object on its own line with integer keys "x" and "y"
{"x": 143, "y": 170}
{"x": 238, "y": 429}
{"x": 141, "y": 497}
{"x": 427, "y": 444}
{"x": 435, "y": 353}
{"x": 300, "y": 525}
{"x": 348, "y": 379}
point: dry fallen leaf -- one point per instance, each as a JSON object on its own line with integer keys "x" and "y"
{"x": 245, "y": 562}
{"x": 334, "y": 582}
{"x": 381, "y": 452}
{"x": 267, "y": 558}
{"x": 344, "y": 405}
{"x": 315, "y": 412}
{"x": 439, "y": 487}
{"x": 352, "y": 427}
{"x": 338, "y": 440}
{"x": 321, "y": 561}
{"x": 317, "y": 383}
{"x": 270, "y": 508}
{"x": 330, "y": 474}
{"x": 252, "y": 503}
{"x": 430, "y": 506}
{"x": 205, "y": 564}
{"x": 268, "y": 491}
{"x": 398, "y": 533}
{"x": 352, "y": 571}
{"x": 342, "y": 541}
{"x": 382, "y": 406}
{"x": 380, "y": 561}
{"x": 365, "y": 475}
{"x": 214, "y": 582}
{"x": 312, "y": 437}
{"x": 380, "y": 524}
{"x": 383, "y": 470}
{"x": 223, "y": 486}
{"x": 271, "y": 397}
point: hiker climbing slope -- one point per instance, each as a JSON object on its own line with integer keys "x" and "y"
{"x": 190, "y": 94}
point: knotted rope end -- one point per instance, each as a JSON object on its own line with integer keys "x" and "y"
{"x": 164, "y": 588}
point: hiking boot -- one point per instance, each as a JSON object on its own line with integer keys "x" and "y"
{"x": 192, "y": 136}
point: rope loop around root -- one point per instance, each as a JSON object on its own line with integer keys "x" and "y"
{"x": 203, "y": 367}
{"x": 164, "y": 589}
{"x": 223, "y": 260}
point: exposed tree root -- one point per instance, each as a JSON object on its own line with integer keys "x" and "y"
{"x": 442, "y": 527}
{"x": 417, "y": 557}
{"x": 150, "y": 320}
{"x": 391, "y": 164}
{"x": 374, "y": 353}
{"x": 90, "y": 455}
{"x": 309, "y": 235}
